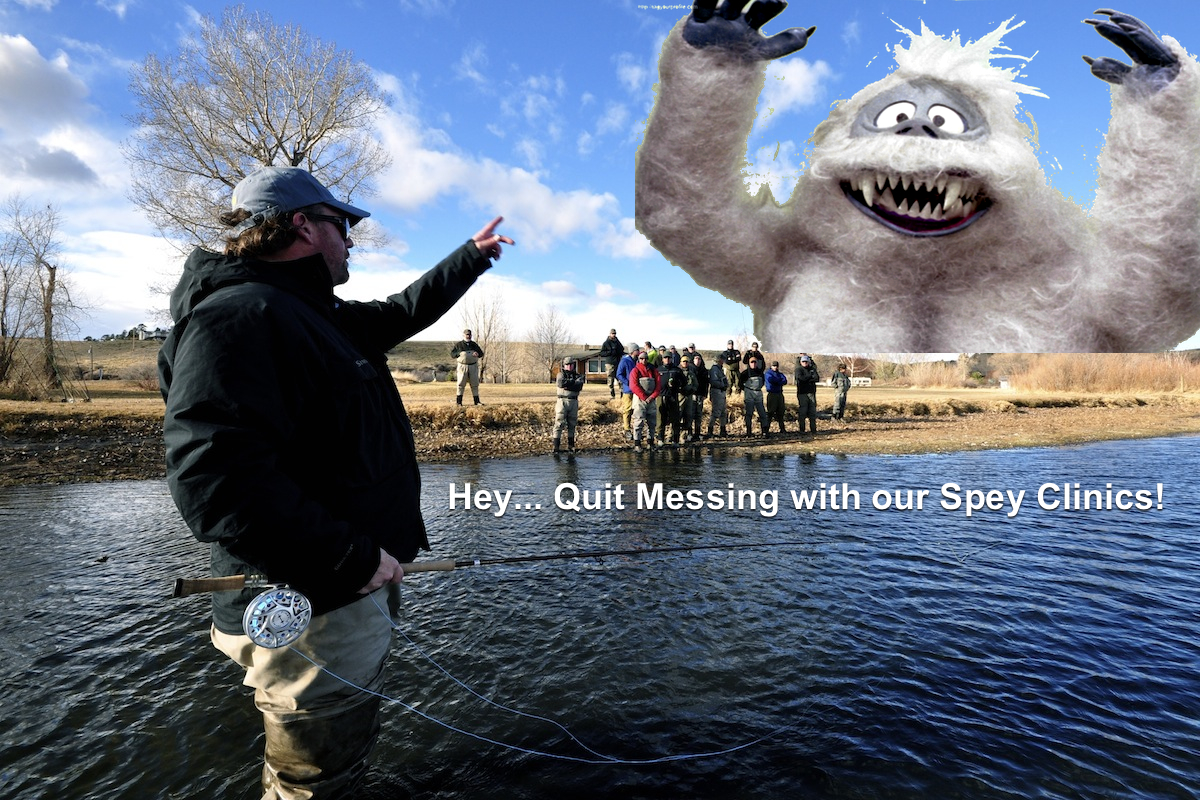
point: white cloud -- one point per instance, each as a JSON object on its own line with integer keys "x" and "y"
{"x": 44, "y": 137}
{"x": 470, "y": 65}
{"x": 850, "y": 33}
{"x": 429, "y": 8}
{"x": 536, "y": 106}
{"x": 606, "y": 291}
{"x": 623, "y": 240}
{"x": 561, "y": 289}
{"x": 36, "y": 93}
{"x": 791, "y": 83}
{"x": 118, "y": 7}
{"x": 540, "y": 216}
{"x": 119, "y": 271}
{"x": 531, "y": 152}
{"x": 631, "y": 74}
{"x": 585, "y": 144}
{"x": 615, "y": 118}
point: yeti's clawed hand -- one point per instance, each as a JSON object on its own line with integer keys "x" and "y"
{"x": 738, "y": 33}
{"x": 1154, "y": 66}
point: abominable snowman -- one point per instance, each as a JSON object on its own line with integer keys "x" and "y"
{"x": 924, "y": 222}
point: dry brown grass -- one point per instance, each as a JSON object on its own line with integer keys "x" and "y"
{"x": 534, "y": 415}
{"x": 935, "y": 375}
{"x": 1109, "y": 373}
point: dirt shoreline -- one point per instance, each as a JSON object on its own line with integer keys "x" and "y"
{"x": 43, "y": 446}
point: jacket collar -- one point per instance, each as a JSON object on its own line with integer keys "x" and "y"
{"x": 205, "y": 272}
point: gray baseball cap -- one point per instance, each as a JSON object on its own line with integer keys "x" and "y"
{"x": 269, "y": 191}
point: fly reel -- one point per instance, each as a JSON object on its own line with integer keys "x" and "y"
{"x": 277, "y": 617}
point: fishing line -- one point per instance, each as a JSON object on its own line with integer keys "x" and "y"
{"x": 600, "y": 760}
{"x": 489, "y": 701}
{"x": 278, "y": 617}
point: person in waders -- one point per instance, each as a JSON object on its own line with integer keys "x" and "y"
{"x": 289, "y": 451}
{"x": 566, "y": 405}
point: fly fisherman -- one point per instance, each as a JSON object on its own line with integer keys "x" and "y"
{"x": 611, "y": 353}
{"x": 752, "y": 381}
{"x": 774, "y": 380}
{"x": 807, "y": 379}
{"x": 718, "y": 385}
{"x": 289, "y": 450}
{"x": 467, "y": 354}
{"x": 841, "y": 385}
{"x": 566, "y": 406}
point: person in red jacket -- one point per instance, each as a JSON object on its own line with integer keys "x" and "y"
{"x": 647, "y": 385}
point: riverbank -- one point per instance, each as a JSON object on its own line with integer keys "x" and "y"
{"x": 118, "y": 435}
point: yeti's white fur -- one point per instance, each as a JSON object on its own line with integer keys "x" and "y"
{"x": 1035, "y": 273}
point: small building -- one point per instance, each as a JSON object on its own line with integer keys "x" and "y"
{"x": 587, "y": 362}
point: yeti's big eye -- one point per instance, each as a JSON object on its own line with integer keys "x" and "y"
{"x": 895, "y": 113}
{"x": 947, "y": 119}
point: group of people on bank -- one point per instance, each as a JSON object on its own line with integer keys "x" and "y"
{"x": 663, "y": 391}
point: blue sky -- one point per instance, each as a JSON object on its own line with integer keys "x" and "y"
{"x": 531, "y": 110}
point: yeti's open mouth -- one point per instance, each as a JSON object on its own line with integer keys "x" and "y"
{"x": 918, "y": 206}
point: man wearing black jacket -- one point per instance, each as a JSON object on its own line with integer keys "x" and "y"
{"x": 290, "y": 452}
{"x": 612, "y": 351}
{"x": 806, "y": 379}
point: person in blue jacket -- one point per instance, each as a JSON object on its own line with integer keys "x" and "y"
{"x": 774, "y": 381}
{"x": 624, "y": 368}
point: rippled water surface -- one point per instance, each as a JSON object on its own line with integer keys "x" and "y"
{"x": 916, "y": 653}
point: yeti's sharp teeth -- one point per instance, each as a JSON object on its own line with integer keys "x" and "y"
{"x": 937, "y": 214}
{"x": 906, "y": 183}
{"x": 886, "y": 201}
{"x": 968, "y": 209}
{"x": 941, "y": 184}
{"x": 953, "y": 192}
{"x": 902, "y": 209}
{"x": 868, "y": 191}
{"x": 954, "y": 210}
{"x": 925, "y": 212}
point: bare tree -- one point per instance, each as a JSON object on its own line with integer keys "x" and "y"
{"x": 890, "y": 366}
{"x": 16, "y": 318}
{"x": 485, "y": 317}
{"x": 856, "y": 363}
{"x": 548, "y": 338}
{"x": 36, "y": 295}
{"x": 247, "y": 93}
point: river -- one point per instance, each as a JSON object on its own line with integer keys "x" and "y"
{"x": 1002, "y": 645}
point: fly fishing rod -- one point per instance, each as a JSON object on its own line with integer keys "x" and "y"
{"x": 280, "y": 615}
{"x": 185, "y": 587}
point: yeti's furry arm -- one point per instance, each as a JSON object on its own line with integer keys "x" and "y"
{"x": 1147, "y": 206}
{"x": 691, "y": 200}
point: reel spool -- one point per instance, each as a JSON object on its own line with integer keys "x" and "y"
{"x": 277, "y": 617}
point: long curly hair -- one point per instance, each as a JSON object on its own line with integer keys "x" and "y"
{"x": 271, "y": 235}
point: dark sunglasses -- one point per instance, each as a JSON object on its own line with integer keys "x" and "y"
{"x": 341, "y": 223}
